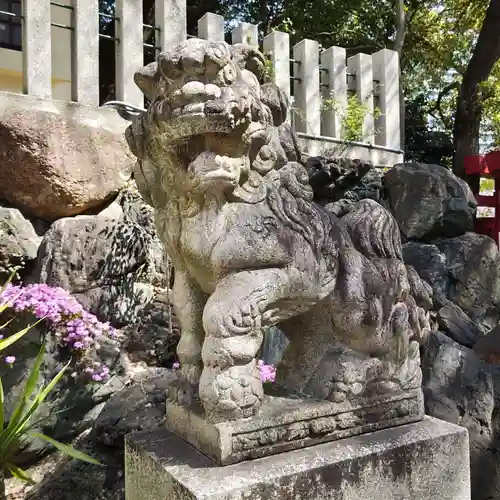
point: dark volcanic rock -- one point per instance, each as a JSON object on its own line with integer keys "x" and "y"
{"x": 458, "y": 326}
{"x": 473, "y": 264}
{"x": 431, "y": 265}
{"x": 339, "y": 183}
{"x": 19, "y": 241}
{"x": 138, "y": 407}
{"x": 429, "y": 201}
{"x": 111, "y": 265}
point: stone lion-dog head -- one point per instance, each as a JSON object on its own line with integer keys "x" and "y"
{"x": 212, "y": 124}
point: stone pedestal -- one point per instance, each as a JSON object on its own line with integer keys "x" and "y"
{"x": 287, "y": 423}
{"x": 426, "y": 460}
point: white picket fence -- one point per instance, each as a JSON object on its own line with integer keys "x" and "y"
{"x": 316, "y": 76}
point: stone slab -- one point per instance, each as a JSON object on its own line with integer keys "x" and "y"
{"x": 427, "y": 460}
{"x": 285, "y": 423}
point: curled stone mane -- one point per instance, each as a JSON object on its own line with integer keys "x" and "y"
{"x": 374, "y": 231}
{"x": 290, "y": 200}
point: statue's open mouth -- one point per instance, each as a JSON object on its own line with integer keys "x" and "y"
{"x": 197, "y": 108}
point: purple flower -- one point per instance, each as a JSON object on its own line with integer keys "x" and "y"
{"x": 176, "y": 365}
{"x": 267, "y": 372}
{"x": 74, "y": 327}
{"x": 10, "y": 360}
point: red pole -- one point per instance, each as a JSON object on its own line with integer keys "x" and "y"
{"x": 497, "y": 210}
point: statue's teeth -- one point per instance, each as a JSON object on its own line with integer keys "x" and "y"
{"x": 193, "y": 108}
{"x": 193, "y": 88}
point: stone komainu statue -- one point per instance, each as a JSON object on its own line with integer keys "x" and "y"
{"x": 251, "y": 249}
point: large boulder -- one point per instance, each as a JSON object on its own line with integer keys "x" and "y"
{"x": 67, "y": 158}
{"x": 140, "y": 407}
{"x": 154, "y": 336}
{"x": 453, "y": 321}
{"x": 473, "y": 263}
{"x": 461, "y": 389}
{"x": 431, "y": 265}
{"x": 111, "y": 265}
{"x": 19, "y": 241}
{"x": 428, "y": 201}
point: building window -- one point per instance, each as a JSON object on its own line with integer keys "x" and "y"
{"x": 10, "y": 26}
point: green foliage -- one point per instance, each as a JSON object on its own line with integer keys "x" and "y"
{"x": 15, "y": 430}
{"x": 352, "y": 117}
{"x": 424, "y": 143}
{"x": 268, "y": 70}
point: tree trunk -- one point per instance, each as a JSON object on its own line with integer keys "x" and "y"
{"x": 469, "y": 103}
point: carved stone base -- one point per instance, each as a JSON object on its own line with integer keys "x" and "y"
{"x": 427, "y": 460}
{"x": 285, "y": 424}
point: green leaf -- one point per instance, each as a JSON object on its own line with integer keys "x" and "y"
{"x": 32, "y": 381}
{"x": 17, "y": 414}
{"x": 5, "y": 306}
{"x": 45, "y": 392}
{"x": 4, "y": 343}
{"x": 17, "y": 427}
{"x": 20, "y": 427}
{"x": 5, "y": 325}
{"x": 19, "y": 473}
{"x": 66, "y": 449}
{"x": 1, "y": 406}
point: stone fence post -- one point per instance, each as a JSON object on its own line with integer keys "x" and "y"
{"x": 277, "y": 48}
{"x": 211, "y": 27}
{"x": 171, "y": 20}
{"x": 307, "y": 112}
{"x": 37, "y": 48}
{"x": 246, "y": 33}
{"x": 334, "y": 91}
{"x": 129, "y": 50}
{"x": 361, "y": 67}
{"x": 386, "y": 72}
{"x": 85, "y": 52}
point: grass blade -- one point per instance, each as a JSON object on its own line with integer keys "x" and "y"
{"x": 5, "y": 325}
{"x": 1, "y": 406}
{"x": 46, "y": 391}
{"x": 8, "y": 304}
{"x": 16, "y": 427}
{"x": 4, "y": 343}
{"x": 66, "y": 449}
{"x": 20, "y": 426}
{"x": 19, "y": 473}
{"x": 32, "y": 381}
{"x": 28, "y": 390}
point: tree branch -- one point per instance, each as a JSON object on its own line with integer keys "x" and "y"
{"x": 447, "y": 122}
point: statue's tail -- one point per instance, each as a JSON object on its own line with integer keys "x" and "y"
{"x": 374, "y": 231}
